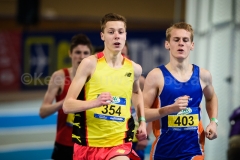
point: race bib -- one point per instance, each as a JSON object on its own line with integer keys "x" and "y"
{"x": 187, "y": 119}
{"x": 183, "y": 120}
{"x": 116, "y": 111}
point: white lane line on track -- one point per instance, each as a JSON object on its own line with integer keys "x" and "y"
{"x": 27, "y": 146}
{"x": 28, "y": 130}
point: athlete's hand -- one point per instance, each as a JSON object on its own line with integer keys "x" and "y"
{"x": 141, "y": 145}
{"x": 180, "y": 104}
{"x": 211, "y": 131}
{"x": 104, "y": 98}
{"x": 141, "y": 131}
{"x": 60, "y": 104}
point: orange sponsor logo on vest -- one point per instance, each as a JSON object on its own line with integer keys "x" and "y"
{"x": 121, "y": 151}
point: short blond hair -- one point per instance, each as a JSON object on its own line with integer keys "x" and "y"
{"x": 180, "y": 25}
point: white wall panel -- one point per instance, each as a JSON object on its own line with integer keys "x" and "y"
{"x": 219, "y": 65}
{"x": 191, "y": 12}
{"x": 237, "y": 13}
{"x": 204, "y": 25}
{"x": 236, "y": 71}
{"x": 201, "y": 50}
{"x": 222, "y": 11}
{"x": 217, "y": 49}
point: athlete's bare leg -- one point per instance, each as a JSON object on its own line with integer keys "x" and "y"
{"x": 120, "y": 158}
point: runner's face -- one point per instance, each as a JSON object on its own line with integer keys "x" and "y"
{"x": 78, "y": 54}
{"x": 114, "y": 36}
{"x": 180, "y": 43}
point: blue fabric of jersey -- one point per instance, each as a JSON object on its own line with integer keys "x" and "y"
{"x": 179, "y": 143}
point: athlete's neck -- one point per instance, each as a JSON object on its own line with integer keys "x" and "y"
{"x": 113, "y": 59}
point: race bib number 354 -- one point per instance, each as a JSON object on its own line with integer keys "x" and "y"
{"x": 116, "y": 111}
{"x": 190, "y": 120}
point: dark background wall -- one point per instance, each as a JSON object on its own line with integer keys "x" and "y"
{"x": 35, "y": 34}
{"x": 77, "y": 14}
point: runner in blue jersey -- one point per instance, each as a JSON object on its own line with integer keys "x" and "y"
{"x": 172, "y": 96}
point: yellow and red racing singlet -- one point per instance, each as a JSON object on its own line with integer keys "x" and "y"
{"x": 109, "y": 125}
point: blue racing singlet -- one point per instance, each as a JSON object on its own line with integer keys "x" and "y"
{"x": 181, "y": 134}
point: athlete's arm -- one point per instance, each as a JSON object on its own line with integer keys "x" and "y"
{"x": 54, "y": 87}
{"x": 84, "y": 71}
{"x": 137, "y": 101}
{"x": 211, "y": 103}
{"x": 152, "y": 89}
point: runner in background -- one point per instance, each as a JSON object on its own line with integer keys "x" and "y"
{"x": 60, "y": 81}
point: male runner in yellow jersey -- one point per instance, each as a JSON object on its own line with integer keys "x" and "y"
{"x": 103, "y": 126}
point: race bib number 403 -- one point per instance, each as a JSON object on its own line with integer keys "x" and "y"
{"x": 190, "y": 120}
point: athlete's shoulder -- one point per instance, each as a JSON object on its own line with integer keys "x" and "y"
{"x": 57, "y": 78}
{"x": 137, "y": 68}
{"x": 59, "y": 73}
{"x": 205, "y": 76}
{"x": 204, "y": 73}
{"x": 154, "y": 78}
{"x": 155, "y": 73}
{"x": 136, "y": 65}
{"x": 89, "y": 61}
